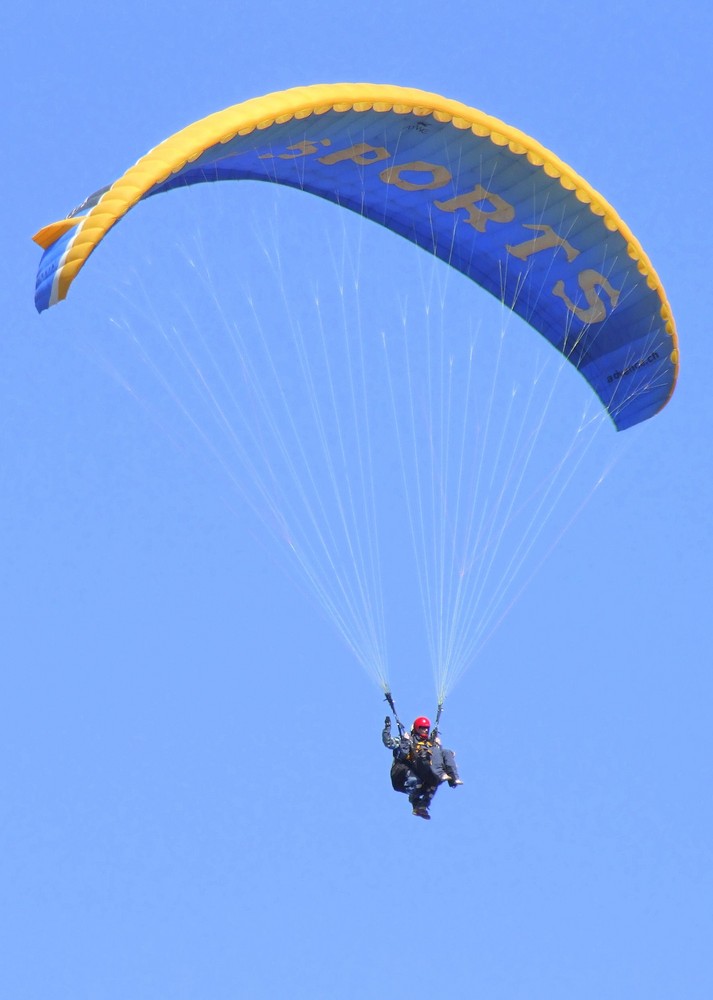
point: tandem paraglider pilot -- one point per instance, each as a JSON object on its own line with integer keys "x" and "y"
{"x": 420, "y": 764}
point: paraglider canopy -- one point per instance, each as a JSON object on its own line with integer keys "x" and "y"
{"x": 487, "y": 199}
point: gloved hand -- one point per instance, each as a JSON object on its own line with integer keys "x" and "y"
{"x": 387, "y": 722}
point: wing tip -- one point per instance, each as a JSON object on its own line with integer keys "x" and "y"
{"x": 48, "y": 235}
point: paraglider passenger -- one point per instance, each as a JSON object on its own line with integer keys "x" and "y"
{"x": 420, "y": 764}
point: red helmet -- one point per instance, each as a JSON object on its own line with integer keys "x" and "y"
{"x": 421, "y": 723}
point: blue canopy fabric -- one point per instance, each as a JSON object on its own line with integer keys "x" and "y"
{"x": 482, "y": 196}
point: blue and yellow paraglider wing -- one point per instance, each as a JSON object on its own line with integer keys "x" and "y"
{"x": 485, "y": 198}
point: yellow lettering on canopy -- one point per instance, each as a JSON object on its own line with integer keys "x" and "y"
{"x": 478, "y": 218}
{"x": 547, "y": 241}
{"x": 357, "y": 154}
{"x": 589, "y": 280}
{"x": 304, "y": 148}
{"x": 439, "y": 176}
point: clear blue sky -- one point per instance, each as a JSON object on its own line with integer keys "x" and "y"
{"x": 195, "y": 801}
